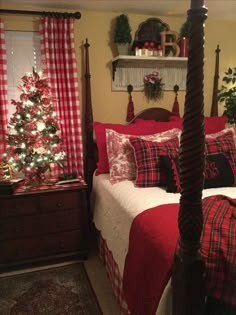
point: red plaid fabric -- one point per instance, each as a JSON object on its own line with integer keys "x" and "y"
{"x": 58, "y": 52}
{"x": 147, "y": 156}
{"x": 113, "y": 274}
{"x": 3, "y": 90}
{"x": 219, "y": 247}
{"x": 223, "y": 144}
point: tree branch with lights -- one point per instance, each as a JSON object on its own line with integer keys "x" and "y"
{"x": 33, "y": 137}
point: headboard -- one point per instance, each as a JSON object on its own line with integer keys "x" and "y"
{"x": 188, "y": 274}
{"x": 154, "y": 113}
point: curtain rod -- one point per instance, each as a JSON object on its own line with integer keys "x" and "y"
{"x": 76, "y": 15}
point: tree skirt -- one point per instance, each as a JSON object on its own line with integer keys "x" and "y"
{"x": 56, "y": 291}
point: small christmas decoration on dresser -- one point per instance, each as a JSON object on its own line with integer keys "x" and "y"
{"x": 6, "y": 171}
{"x": 67, "y": 178}
{"x": 153, "y": 86}
{"x": 33, "y": 138}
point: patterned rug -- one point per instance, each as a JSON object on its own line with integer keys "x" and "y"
{"x": 57, "y": 291}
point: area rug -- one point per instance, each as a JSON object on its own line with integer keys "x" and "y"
{"x": 56, "y": 291}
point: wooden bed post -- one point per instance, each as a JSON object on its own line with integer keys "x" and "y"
{"x": 188, "y": 273}
{"x": 214, "y": 105}
{"x": 89, "y": 158}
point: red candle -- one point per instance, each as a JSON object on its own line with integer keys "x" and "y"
{"x": 184, "y": 47}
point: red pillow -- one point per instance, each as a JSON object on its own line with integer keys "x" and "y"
{"x": 140, "y": 128}
{"x": 215, "y": 124}
{"x": 147, "y": 157}
{"x": 212, "y": 124}
{"x": 176, "y": 118}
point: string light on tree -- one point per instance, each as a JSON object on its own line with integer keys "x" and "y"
{"x": 33, "y": 137}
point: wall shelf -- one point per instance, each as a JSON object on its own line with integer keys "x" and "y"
{"x": 131, "y": 70}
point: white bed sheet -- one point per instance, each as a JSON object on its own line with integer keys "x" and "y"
{"x": 116, "y": 205}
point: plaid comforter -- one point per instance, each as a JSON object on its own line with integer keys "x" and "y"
{"x": 219, "y": 247}
{"x": 152, "y": 244}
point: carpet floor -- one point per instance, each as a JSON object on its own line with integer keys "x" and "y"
{"x": 64, "y": 290}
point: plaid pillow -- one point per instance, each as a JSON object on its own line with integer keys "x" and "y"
{"x": 147, "y": 157}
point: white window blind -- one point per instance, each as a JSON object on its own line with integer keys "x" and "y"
{"x": 23, "y": 53}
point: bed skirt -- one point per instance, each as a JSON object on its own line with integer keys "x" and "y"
{"x": 213, "y": 307}
{"x": 113, "y": 273}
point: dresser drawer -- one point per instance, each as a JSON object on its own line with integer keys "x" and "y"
{"x": 32, "y": 248}
{"x": 18, "y": 250}
{"x": 19, "y": 227}
{"x": 18, "y": 206}
{"x": 12, "y": 228}
{"x": 62, "y": 242}
{"x": 59, "y": 221}
{"x": 60, "y": 201}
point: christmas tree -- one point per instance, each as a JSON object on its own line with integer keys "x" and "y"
{"x": 33, "y": 139}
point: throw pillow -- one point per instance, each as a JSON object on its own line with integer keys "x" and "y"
{"x": 121, "y": 154}
{"x": 147, "y": 157}
{"x": 171, "y": 169}
{"x": 219, "y": 171}
{"x": 220, "y": 167}
{"x": 212, "y": 124}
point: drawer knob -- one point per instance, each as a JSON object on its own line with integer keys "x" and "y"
{"x": 59, "y": 204}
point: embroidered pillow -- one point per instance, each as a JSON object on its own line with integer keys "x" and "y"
{"x": 147, "y": 157}
{"x": 220, "y": 167}
{"x": 218, "y": 171}
{"x": 223, "y": 144}
{"x": 121, "y": 154}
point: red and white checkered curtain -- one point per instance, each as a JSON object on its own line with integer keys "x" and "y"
{"x": 3, "y": 90}
{"x": 58, "y": 53}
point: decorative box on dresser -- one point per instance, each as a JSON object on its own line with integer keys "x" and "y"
{"x": 43, "y": 225}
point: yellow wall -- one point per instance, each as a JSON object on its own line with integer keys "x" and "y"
{"x": 108, "y": 105}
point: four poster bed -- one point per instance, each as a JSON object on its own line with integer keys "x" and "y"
{"x": 163, "y": 199}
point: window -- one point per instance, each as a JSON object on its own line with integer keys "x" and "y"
{"x": 23, "y": 53}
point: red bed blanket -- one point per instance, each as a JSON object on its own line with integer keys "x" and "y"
{"x": 152, "y": 243}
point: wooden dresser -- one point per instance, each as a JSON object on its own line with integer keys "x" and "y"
{"x": 43, "y": 225}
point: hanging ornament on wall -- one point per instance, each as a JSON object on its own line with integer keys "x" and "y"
{"x": 175, "y": 108}
{"x": 130, "y": 108}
